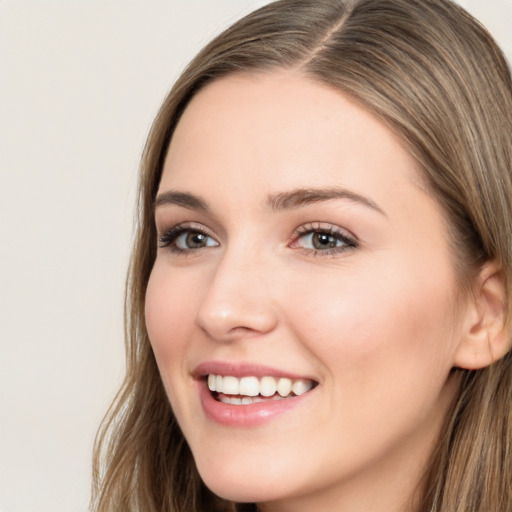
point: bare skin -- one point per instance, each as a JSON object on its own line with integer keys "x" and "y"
{"x": 301, "y": 240}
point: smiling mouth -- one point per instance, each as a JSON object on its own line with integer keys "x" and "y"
{"x": 249, "y": 390}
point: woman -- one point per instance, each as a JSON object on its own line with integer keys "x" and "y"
{"x": 318, "y": 302}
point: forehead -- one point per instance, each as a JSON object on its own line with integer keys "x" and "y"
{"x": 264, "y": 123}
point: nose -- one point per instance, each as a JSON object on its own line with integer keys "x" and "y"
{"x": 239, "y": 301}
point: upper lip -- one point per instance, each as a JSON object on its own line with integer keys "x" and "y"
{"x": 238, "y": 369}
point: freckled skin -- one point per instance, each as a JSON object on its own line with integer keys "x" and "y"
{"x": 376, "y": 325}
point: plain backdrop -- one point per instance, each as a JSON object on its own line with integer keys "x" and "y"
{"x": 80, "y": 82}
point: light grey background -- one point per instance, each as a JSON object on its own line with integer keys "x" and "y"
{"x": 80, "y": 82}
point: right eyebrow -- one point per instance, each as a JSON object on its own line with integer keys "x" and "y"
{"x": 183, "y": 199}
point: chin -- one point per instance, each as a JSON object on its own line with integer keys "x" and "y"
{"x": 243, "y": 484}
{"x": 241, "y": 489}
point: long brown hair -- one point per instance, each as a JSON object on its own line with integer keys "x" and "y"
{"x": 432, "y": 74}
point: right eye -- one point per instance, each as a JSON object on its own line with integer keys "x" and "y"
{"x": 184, "y": 239}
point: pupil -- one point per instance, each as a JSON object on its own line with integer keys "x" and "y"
{"x": 196, "y": 240}
{"x": 323, "y": 240}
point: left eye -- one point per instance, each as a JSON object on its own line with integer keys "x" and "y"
{"x": 193, "y": 240}
{"x": 326, "y": 241}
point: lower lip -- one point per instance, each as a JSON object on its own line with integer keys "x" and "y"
{"x": 249, "y": 415}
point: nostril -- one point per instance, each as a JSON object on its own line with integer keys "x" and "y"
{"x": 234, "y": 308}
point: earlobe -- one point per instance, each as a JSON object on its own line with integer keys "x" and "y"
{"x": 485, "y": 336}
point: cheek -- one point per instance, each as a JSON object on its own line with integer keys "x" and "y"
{"x": 167, "y": 308}
{"x": 373, "y": 328}
{"x": 383, "y": 346}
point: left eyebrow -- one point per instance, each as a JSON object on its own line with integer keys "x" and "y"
{"x": 304, "y": 196}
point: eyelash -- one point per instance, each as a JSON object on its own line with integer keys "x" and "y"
{"x": 169, "y": 238}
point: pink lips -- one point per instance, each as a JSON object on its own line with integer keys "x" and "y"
{"x": 250, "y": 415}
{"x": 242, "y": 370}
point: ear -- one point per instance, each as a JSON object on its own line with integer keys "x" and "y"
{"x": 485, "y": 336}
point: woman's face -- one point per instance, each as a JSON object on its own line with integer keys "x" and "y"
{"x": 298, "y": 248}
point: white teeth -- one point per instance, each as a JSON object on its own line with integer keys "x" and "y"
{"x": 225, "y": 399}
{"x": 300, "y": 386}
{"x": 248, "y": 387}
{"x": 211, "y": 382}
{"x": 284, "y": 386}
{"x": 230, "y": 385}
{"x": 268, "y": 386}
